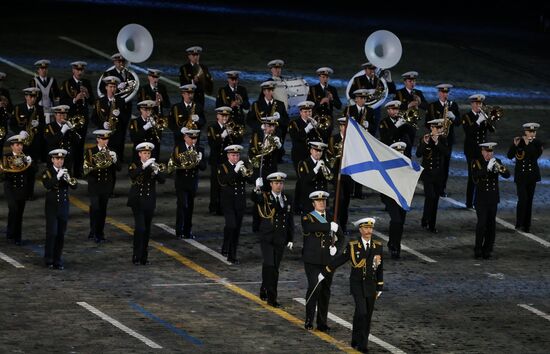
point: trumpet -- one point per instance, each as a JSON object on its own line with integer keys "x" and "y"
{"x": 327, "y": 173}
{"x": 158, "y": 167}
{"x": 70, "y": 180}
{"x": 246, "y": 171}
{"x": 498, "y": 167}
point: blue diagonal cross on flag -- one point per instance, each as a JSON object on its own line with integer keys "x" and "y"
{"x": 374, "y": 164}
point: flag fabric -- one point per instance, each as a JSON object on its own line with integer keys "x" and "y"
{"x": 376, "y": 165}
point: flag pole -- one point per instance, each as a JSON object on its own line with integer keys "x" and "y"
{"x": 337, "y": 196}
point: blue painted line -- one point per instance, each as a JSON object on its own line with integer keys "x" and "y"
{"x": 178, "y": 331}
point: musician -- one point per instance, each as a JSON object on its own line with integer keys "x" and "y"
{"x": 313, "y": 175}
{"x": 57, "y": 181}
{"x": 77, "y": 93}
{"x": 28, "y": 121}
{"x": 101, "y": 164}
{"x": 322, "y": 240}
{"x": 397, "y": 214}
{"x": 276, "y": 69}
{"x": 15, "y": 167}
{"x": 366, "y": 279}
{"x": 526, "y": 150}
{"x": 435, "y": 111}
{"x": 142, "y": 198}
{"x": 144, "y": 129}
{"x": 155, "y": 91}
{"x": 234, "y": 96}
{"x": 268, "y": 106}
{"x": 219, "y": 137}
{"x": 485, "y": 172}
{"x": 195, "y": 73}
{"x": 61, "y": 134}
{"x": 6, "y": 109}
{"x": 264, "y": 150}
{"x": 303, "y": 130}
{"x": 433, "y": 150}
{"x": 49, "y": 90}
{"x": 325, "y": 97}
{"x": 276, "y": 206}
{"x": 232, "y": 178}
{"x": 187, "y": 179}
{"x": 476, "y": 126}
{"x": 186, "y": 113}
{"x": 392, "y": 127}
{"x": 4, "y": 92}
{"x": 335, "y": 148}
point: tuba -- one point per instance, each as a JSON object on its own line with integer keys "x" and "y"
{"x": 185, "y": 160}
{"x": 15, "y": 164}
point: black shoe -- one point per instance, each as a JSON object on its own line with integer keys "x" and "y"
{"x": 423, "y": 224}
{"x": 394, "y": 254}
{"x": 263, "y": 294}
{"x": 223, "y": 252}
{"x": 354, "y": 344}
{"x": 323, "y": 328}
{"x": 433, "y": 230}
{"x": 31, "y": 198}
{"x": 443, "y": 195}
{"x": 91, "y": 237}
{"x": 113, "y": 195}
{"x": 144, "y": 262}
{"x": 486, "y": 256}
{"x": 50, "y": 266}
{"x": 469, "y": 206}
{"x": 526, "y": 229}
{"x": 180, "y": 237}
{"x": 308, "y": 325}
{"x": 274, "y": 303}
{"x": 18, "y": 243}
{"x": 59, "y": 267}
{"x": 363, "y": 349}
{"x": 477, "y": 254}
{"x": 234, "y": 261}
{"x": 190, "y": 236}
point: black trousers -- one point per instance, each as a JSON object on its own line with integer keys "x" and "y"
{"x": 142, "y": 232}
{"x": 30, "y": 178}
{"x": 272, "y": 256}
{"x": 320, "y": 297}
{"x": 524, "y": 208}
{"x": 364, "y": 306}
{"x": 98, "y": 213}
{"x": 15, "y": 218}
{"x": 397, "y": 220}
{"x": 214, "y": 206}
{"x": 485, "y": 228}
{"x": 185, "y": 204}
{"x": 232, "y": 230}
{"x": 346, "y": 185}
{"x": 432, "y": 192}
{"x": 470, "y": 187}
{"x": 56, "y": 225}
{"x": 446, "y": 166}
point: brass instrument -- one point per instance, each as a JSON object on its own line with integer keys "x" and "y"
{"x": 78, "y": 121}
{"x": 327, "y": 173}
{"x": 113, "y": 119}
{"x": 160, "y": 167}
{"x": 324, "y": 121}
{"x": 160, "y": 119}
{"x": 446, "y": 121}
{"x": 236, "y": 130}
{"x": 246, "y": 170}
{"x": 238, "y": 98}
{"x": 31, "y": 131}
{"x": 3, "y": 114}
{"x": 411, "y": 116}
{"x": 190, "y": 124}
{"x": 266, "y": 148}
{"x": 492, "y": 113}
{"x": 15, "y": 164}
{"x": 185, "y": 160}
{"x": 70, "y": 180}
{"x": 2, "y": 133}
{"x": 337, "y": 154}
{"x": 498, "y": 167}
{"x": 100, "y": 160}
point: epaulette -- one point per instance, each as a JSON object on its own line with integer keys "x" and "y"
{"x": 478, "y": 164}
{"x": 377, "y": 243}
{"x": 46, "y": 175}
{"x": 133, "y": 166}
{"x": 225, "y": 168}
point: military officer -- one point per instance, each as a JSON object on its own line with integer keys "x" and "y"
{"x": 187, "y": 158}
{"x": 232, "y": 177}
{"x": 276, "y": 206}
{"x": 235, "y": 96}
{"x": 15, "y": 166}
{"x": 61, "y": 134}
{"x": 198, "y": 74}
{"x": 49, "y": 90}
{"x": 335, "y": 149}
{"x": 393, "y": 127}
{"x": 452, "y": 119}
{"x": 268, "y": 106}
{"x": 100, "y": 164}
{"x": 485, "y": 173}
{"x": 144, "y": 129}
{"x": 362, "y": 113}
{"x": 325, "y": 97}
{"x": 433, "y": 149}
{"x": 156, "y": 91}
{"x": 322, "y": 239}
{"x": 57, "y": 181}
{"x": 526, "y": 150}
{"x": 475, "y": 126}
{"x": 366, "y": 279}
{"x": 186, "y": 113}
{"x": 313, "y": 174}
{"x": 302, "y": 130}
{"x": 142, "y": 198}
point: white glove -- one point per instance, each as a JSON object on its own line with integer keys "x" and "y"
{"x": 451, "y": 115}
{"x": 332, "y": 250}
{"x": 386, "y": 75}
{"x": 318, "y": 166}
{"x": 366, "y": 124}
{"x": 333, "y": 226}
{"x": 290, "y": 245}
{"x": 69, "y": 124}
{"x": 64, "y": 128}
{"x": 225, "y": 133}
{"x": 28, "y": 159}
{"x": 238, "y": 166}
{"x": 277, "y": 142}
{"x": 148, "y": 126}
{"x": 259, "y": 182}
{"x": 116, "y": 112}
{"x": 320, "y": 277}
{"x": 106, "y": 125}
{"x": 195, "y": 118}
{"x": 199, "y": 156}
{"x": 481, "y": 119}
{"x": 491, "y": 164}
{"x": 24, "y": 134}
{"x": 148, "y": 162}
{"x": 400, "y": 122}
{"x": 378, "y": 293}
{"x": 60, "y": 173}
{"x": 308, "y": 128}
{"x": 34, "y": 123}
{"x": 156, "y": 169}
{"x": 121, "y": 86}
{"x": 113, "y": 156}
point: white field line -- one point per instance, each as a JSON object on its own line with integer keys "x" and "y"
{"x": 15, "y": 66}
{"x": 535, "y": 311}
{"x": 215, "y": 283}
{"x": 406, "y": 248}
{"x": 10, "y": 260}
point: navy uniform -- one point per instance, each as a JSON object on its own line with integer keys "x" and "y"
{"x": 218, "y": 139}
{"x": 322, "y": 239}
{"x": 393, "y": 128}
{"x": 334, "y": 151}
{"x": 186, "y": 180}
{"x": 235, "y": 96}
{"x": 485, "y": 173}
{"x": 526, "y": 150}
{"x": 15, "y": 168}
{"x": 435, "y": 111}
{"x": 232, "y": 180}
{"x": 187, "y": 113}
{"x": 267, "y": 106}
{"x": 28, "y": 120}
{"x": 101, "y": 181}
{"x": 326, "y": 99}
{"x": 362, "y": 113}
{"x": 311, "y": 176}
{"x": 370, "y": 81}
{"x": 142, "y": 198}
{"x": 8, "y": 105}
{"x": 59, "y": 135}
{"x": 77, "y": 93}
{"x": 275, "y": 206}
{"x": 57, "y": 181}
{"x": 476, "y": 126}
{"x": 433, "y": 153}
{"x": 6, "y": 109}
{"x": 49, "y": 90}
{"x": 302, "y": 130}
{"x": 195, "y": 73}
{"x": 152, "y": 89}
{"x": 366, "y": 279}
{"x": 144, "y": 129}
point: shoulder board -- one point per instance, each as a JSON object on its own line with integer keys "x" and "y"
{"x": 354, "y": 242}
{"x": 133, "y": 166}
{"x": 477, "y": 164}
{"x": 225, "y": 168}
{"x": 378, "y": 243}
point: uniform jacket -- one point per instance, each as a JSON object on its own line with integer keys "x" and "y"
{"x": 188, "y": 179}
{"x": 487, "y": 192}
{"x": 57, "y": 194}
{"x": 143, "y": 192}
{"x": 474, "y": 134}
{"x": 527, "y": 169}
{"x": 318, "y": 238}
{"x": 280, "y": 217}
{"x": 435, "y": 111}
{"x": 100, "y": 180}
